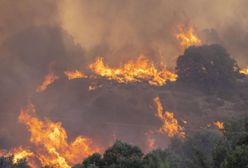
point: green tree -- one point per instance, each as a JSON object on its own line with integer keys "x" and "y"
{"x": 123, "y": 155}
{"x": 196, "y": 151}
{"x": 93, "y": 160}
{"x": 228, "y": 152}
{"x": 160, "y": 159}
{"x": 199, "y": 149}
{"x": 237, "y": 158}
{"x": 236, "y": 131}
{"x": 7, "y": 162}
{"x": 220, "y": 153}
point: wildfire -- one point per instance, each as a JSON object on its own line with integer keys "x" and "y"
{"x": 50, "y": 141}
{"x": 187, "y": 37}
{"x": 141, "y": 69}
{"x": 93, "y": 87}
{"x": 21, "y": 153}
{"x": 219, "y": 124}
{"x": 48, "y": 80}
{"x": 244, "y": 71}
{"x": 2, "y": 152}
{"x": 150, "y": 140}
{"x": 75, "y": 74}
{"x": 151, "y": 143}
{"x": 170, "y": 124}
{"x": 18, "y": 154}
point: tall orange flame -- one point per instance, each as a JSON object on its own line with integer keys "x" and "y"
{"x": 48, "y": 80}
{"x": 50, "y": 141}
{"x": 141, "y": 69}
{"x": 187, "y": 37}
{"x": 170, "y": 125}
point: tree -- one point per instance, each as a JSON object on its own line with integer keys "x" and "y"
{"x": 7, "y": 162}
{"x": 196, "y": 150}
{"x": 234, "y": 144}
{"x": 123, "y": 155}
{"x": 160, "y": 159}
{"x": 236, "y": 132}
{"x": 220, "y": 153}
{"x": 237, "y": 158}
{"x": 208, "y": 67}
{"x": 93, "y": 160}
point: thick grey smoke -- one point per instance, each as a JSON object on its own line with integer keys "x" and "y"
{"x": 127, "y": 28}
{"x": 37, "y": 36}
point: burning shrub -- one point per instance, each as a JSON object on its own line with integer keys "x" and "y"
{"x": 208, "y": 66}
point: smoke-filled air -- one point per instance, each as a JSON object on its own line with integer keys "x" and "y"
{"x": 123, "y": 84}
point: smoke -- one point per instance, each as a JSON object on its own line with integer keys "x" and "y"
{"x": 28, "y": 44}
{"x": 37, "y": 36}
{"x": 124, "y": 28}
{"x": 128, "y": 28}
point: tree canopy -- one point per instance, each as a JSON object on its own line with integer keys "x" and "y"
{"x": 207, "y": 66}
{"x": 7, "y": 162}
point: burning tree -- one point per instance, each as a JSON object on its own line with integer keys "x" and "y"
{"x": 208, "y": 66}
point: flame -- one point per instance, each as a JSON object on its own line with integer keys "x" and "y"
{"x": 75, "y": 74}
{"x": 150, "y": 140}
{"x": 170, "y": 124}
{"x": 151, "y": 143}
{"x": 244, "y": 71}
{"x": 219, "y": 124}
{"x": 2, "y": 152}
{"x": 48, "y": 80}
{"x": 21, "y": 153}
{"x": 141, "y": 69}
{"x": 50, "y": 141}
{"x": 92, "y": 87}
{"x": 187, "y": 37}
